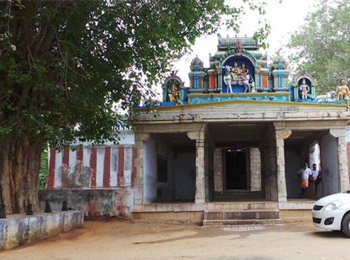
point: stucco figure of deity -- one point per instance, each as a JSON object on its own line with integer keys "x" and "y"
{"x": 174, "y": 93}
{"x": 244, "y": 71}
{"x": 228, "y": 78}
{"x": 342, "y": 90}
{"x": 304, "y": 89}
{"x": 236, "y": 71}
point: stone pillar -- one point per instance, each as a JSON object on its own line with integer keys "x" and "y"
{"x": 255, "y": 169}
{"x": 218, "y": 179}
{"x": 281, "y": 176}
{"x": 201, "y": 174}
{"x": 140, "y": 139}
{"x": 340, "y": 134}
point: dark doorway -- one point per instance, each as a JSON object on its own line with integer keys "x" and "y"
{"x": 236, "y": 169}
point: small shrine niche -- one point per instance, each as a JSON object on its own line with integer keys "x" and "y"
{"x": 304, "y": 89}
{"x": 197, "y": 74}
{"x": 243, "y": 66}
{"x": 238, "y": 65}
{"x": 172, "y": 89}
{"x": 280, "y": 74}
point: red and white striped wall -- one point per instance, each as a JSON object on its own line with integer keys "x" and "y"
{"x": 92, "y": 167}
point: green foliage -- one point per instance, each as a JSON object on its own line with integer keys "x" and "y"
{"x": 70, "y": 69}
{"x": 322, "y": 45}
{"x": 44, "y": 170}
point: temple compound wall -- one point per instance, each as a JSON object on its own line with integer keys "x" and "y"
{"x": 97, "y": 179}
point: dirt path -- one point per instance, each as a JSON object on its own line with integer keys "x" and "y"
{"x": 118, "y": 240}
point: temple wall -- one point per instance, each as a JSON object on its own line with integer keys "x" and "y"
{"x": 165, "y": 190}
{"x": 150, "y": 170}
{"x": 93, "y": 202}
{"x": 347, "y": 138}
{"x": 184, "y": 176}
{"x": 98, "y": 180}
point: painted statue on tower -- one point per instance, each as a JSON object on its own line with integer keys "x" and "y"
{"x": 304, "y": 89}
{"x": 238, "y": 75}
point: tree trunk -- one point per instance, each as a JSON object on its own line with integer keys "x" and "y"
{"x": 19, "y": 173}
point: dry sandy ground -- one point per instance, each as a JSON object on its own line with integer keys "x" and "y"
{"x": 119, "y": 240}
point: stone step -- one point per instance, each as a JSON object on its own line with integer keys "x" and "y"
{"x": 239, "y": 222}
{"x": 238, "y": 196}
{"x": 242, "y": 206}
{"x": 241, "y": 215}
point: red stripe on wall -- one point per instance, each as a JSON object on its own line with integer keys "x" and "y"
{"x": 212, "y": 81}
{"x": 107, "y": 167}
{"x": 52, "y": 164}
{"x": 64, "y": 170}
{"x": 65, "y": 158}
{"x": 93, "y": 159}
{"x": 133, "y": 169}
{"x": 348, "y": 155}
{"x": 264, "y": 81}
{"x": 120, "y": 166}
{"x": 80, "y": 155}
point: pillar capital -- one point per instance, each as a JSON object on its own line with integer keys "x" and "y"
{"x": 142, "y": 136}
{"x": 284, "y": 134}
{"x": 196, "y": 135}
{"x": 337, "y": 132}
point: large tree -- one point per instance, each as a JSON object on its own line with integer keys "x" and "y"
{"x": 322, "y": 46}
{"x": 68, "y": 69}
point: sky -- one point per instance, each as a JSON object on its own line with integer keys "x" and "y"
{"x": 284, "y": 18}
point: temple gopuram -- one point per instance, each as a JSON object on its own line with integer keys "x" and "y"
{"x": 224, "y": 150}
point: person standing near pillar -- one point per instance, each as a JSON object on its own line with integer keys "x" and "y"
{"x": 304, "y": 174}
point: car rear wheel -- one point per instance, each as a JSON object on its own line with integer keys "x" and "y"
{"x": 346, "y": 225}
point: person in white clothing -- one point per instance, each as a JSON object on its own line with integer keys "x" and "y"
{"x": 304, "y": 174}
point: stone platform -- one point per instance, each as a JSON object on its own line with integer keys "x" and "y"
{"x": 19, "y": 229}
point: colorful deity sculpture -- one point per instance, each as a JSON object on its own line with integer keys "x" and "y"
{"x": 229, "y": 74}
{"x": 304, "y": 89}
{"x": 174, "y": 92}
{"x": 343, "y": 92}
{"x": 238, "y": 75}
{"x": 172, "y": 89}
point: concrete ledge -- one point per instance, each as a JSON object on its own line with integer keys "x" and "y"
{"x": 170, "y": 217}
{"x": 209, "y": 206}
{"x": 299, "y": 215}
{"x": 19, "y": 230}
{"x": 296, "y": 204}
{"x": 166, "y": 207}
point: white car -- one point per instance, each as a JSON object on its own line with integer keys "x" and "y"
{"x": 333, "y": 213}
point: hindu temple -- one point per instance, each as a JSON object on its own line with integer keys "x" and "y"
{"x": 225, "y": 149}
